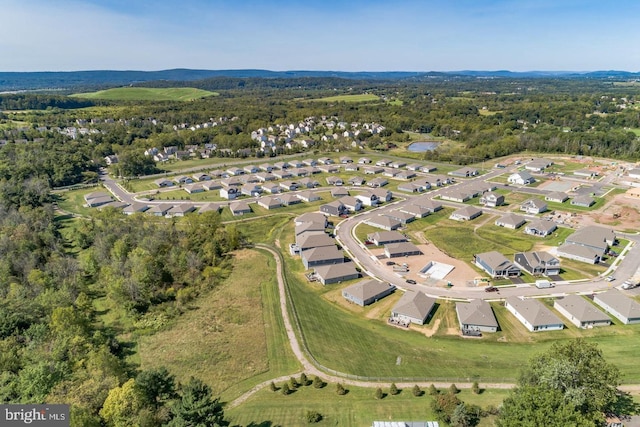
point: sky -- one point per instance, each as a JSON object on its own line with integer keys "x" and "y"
{"x": 338, "y": 35}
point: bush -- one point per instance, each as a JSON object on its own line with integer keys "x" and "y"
{"x": 393, "y": 390}
{"x": 304, "y": 380}
{"x": 313, "y": 417}
{"x": 285, "y": 389}
{"x": 432, "y": 390}
{"x": 340, "y": 390}
{"x": 273, "y": 386}
{"x": 475, "y": 388}
{"x": 453, "y": 389}
{"x": 293, "y": 384}
{"x": 417, "y": 392}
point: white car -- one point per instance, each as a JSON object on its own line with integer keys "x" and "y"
{"x": 610, "y": 278}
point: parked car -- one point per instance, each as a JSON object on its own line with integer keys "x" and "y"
{"x": 391, "y": 263}
{"x": 411, "y": 281}
{"x": 491, "y": 289}
{"x": 610, "y": 278}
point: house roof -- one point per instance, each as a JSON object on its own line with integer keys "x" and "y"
{"x": 182, "y": 208}
{"x": 386, "y": 236}
{"x": 96, "y": 195}
{"x": 557, "y": 195}
{"x": 315, "y": 240}
{"x": 350, "y": 201}
{"x": 400, "y": 248}
{"x": 495, "y": 260}
{"x": 415, "y": 305}
{"x": 511, "y": 219}
{"x": 384, "y": 221}
{"x": 160, "y": 208}
{"x": 615, "y": 299}
{"x": 537, "y": 203}
{"x": 524, "y": 175}
{"x": 288, "y": 198}
{"x": 542, "y": 225}
{"x": 368, "y": 289}
{"x": 581, "y": 309}
{"x": 311, "y": 217}
{"x": 428, "y": 203}
{"x": 240, "y": 206}
{"x": 400, "y": 216}
{"x": 135, "y": 207}
{"x": 539, "y": 257}
{"x": 309, "y": 195}
{"x": 336, "y": 271}
{"x": 577, "y": 250}
{"x": 325, "y": 253}
{"x": 593, "y": 235}
{"x": 477, "y": 312}
{"x": 415, "y": 210}
{"x": 270, "y": 202}
{"x": 583, "y": 200}
{"x": 468, "y": 211}
{"x": 534, "y": 312}
{"x": 209, "y": 207}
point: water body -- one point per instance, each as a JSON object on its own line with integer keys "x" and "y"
{"x": 419, "y": 147}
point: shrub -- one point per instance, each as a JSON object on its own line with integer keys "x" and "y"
{"x": 293, "y": 384}
{"x": 273, "y": 386}
{"x": 453, "y": 389}
{"x": 379, "y": 394}
{"x": 340, "y": 390}
{"x": 432, "y": 390}
{"x": 417, "y": 392}
{"x": 313, "y": 417}
{"x": 475, "y": 388}
{"x": 393, "y": 390}
{"x": 285, "y": 389}
{"x": 303, "y": 379}
{"x": 317, "y": 382}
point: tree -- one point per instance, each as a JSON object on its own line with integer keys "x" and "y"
{"x": 582, "y": 383}
{"x": 293, "y": 384}
{"x": 317, "y": 382}
{"x": 463, "y": 416}
{"x": 285, "y": 389}
{"x": 453, "y": 389}
{"x": 273, "y": 386}
{"x": 393, "y": 390}
{"x": 432, "y": 390}
{"x": 444, "y": 405}
{"x": 157, "y": 386}
{"x": 196, "y": 407}
{"x": 122, "y": 405}
{"x": 340, "y": 390}
{"x": 303, "y": 379}
{"x": 379, "y": 394}
{"x": 313, "y": 417}
{"x": 417, "y": 392}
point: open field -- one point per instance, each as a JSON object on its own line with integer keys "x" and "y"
{"x": 147, "y": 94}
{"x": 234, "y": 337}
{"x": 357, "y": 408}
{"x": 364, "y": 97}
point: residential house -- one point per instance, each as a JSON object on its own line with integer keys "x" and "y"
{"x": 428, "y": 168}
{"x": 250, "y": 179}
{"x": 269, "y": 202}
{"x": 321, "y": 256}
{"x": 466, "y": 214}
{"x": 416, "y": 211}
{"x": 398, "y": 164}
{"x": 288, "y": 199}
{"x": 336, "y": 273}
{"x": 211, "y": 185}
{"x": 580, "y": 312}
{"x": 351, "y": 167}
{"x": 476, "y": 315}
{"x": 329, "y": 168}
{"x": 308, "y": 196}
{"x": 373, "y": 170}
{"x": 251, "y": 190}
{"x": 313, "y": 217}
{"x": 265, "y": 176}
{"x": 496, "y": 264}
{"x": 579, "y": 253}
{"x": 308, "y": 183}
{"x": 510, "y": 220}
{"x": 209, "y": 207}
{"x": 521, "y": 178}
{"x": 266, "y": 167}
{"x": 313, "y": 238}
{"x": 97, "y": 198}
{"x": 623, "y": 308}
{"x": 180, "y": 210}
{"x": 377, "y": 182}
{"x": 417, "y": 186}
{"x": 538, "y": 263}
{"x": 356, "y": 181}
{"x": 491, "y": 199}
{"x": 533, "y": 206}
{"x": 390, "y": 173}
{"x": 533, "y": 314}
{"x": 556, "y": 197}
{"x": 414, "y": 167}
{"x": 335, "y": 208}
{"x": 339, "y": 192}
{"x": 382, "y": 194}
{"x": 297, "y": 172}
{"x": 456, "y": 196}
{"x": 583, "y": 201}
{"x": 135, "y": 207}
{"x": 235, "y": 171}
{"x": 413, "y": 307}
{"x": 324, "y": 161}
{"x": 159, "y": 209}
{"x": 380, "y": 238}
{"x": 401, "y": 249}
{"x": 367, "y": 292}
{"x": 282, "y": 174}
{"x": 364, "y": 161}
{"x": 239, "y": 208}
{"x": 110, "y": 160}
{"x": 401, "y": 216}
{"x": 384, "y": 222}
{"x": 353, "y": 204}
{"x": 334, "y": 180}
{"x": 538, "y": 165}
{"x": 634, "y": 173}
{"x": 272, "y": 188}
{"x": 201, "y": 176}
{"x": 540, "y": 227}
{"x": 163, "y": 182}
{"x": 595, "y": 237}
{"x": 182, "y": 179}
{"x": 432, "y": 205}
{"x": 345, "y": 160}
{"x": 194, "y": 188}
{"x": 251, "y": 169}
{"x": 464, "y": 172}
{"x": 281, "y": 165}
{"x": 231, "y": 182}
{"x": 310, "y": 162}
{"x": 405, "y": 175}
{"x": 383, "y": 162}
{"x": 585, "y": 173}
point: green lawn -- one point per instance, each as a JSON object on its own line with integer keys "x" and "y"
{"x": 364, "y": 97}
{"x": 147, "y": 94}
{"x": 233, "y": 337}
{"x": 357, "y": 408}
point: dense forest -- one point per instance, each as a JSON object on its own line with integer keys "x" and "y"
{"x": 58, "y": 273}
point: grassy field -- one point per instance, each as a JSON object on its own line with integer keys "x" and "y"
{"x": 357, "y": 408}
{"x": 364, "y": 97}
{"x": 233, "y": 338}
{"x": 147, "y": 94}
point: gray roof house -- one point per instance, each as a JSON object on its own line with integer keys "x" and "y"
{"x": 579, "y": 253}
{"x": 557, "y": 197}
{"x": 618, "y": 305}
{"x": 533, "y": 206}
{"x": 135, "y": 207}
{"x": 308, "y": 196}
{"x": 533, "y": 314}
{"x": 492, "y": 199}
{"x": 593, "y": 236}
{"x": 580, "y": 312}
{"x": 540, "y": 227}
{"x": 466, "y": 214}
{"x": 239, "y": 208}
{"x": 367, "y": 292}
{"x": 384, "y": 237}
{"x": 401, "y": 216}
{"x": 476, "y": 315}
{"x": 416, "y": 211}
{"x": 339, "y": 192}
{"x": 269, "y": 202}
{"x": 288, "y": 199}
{"x": 315, "y": 217}
{"x": 464, "y": 172}
{"x": 413, "y": 307}
{"x": 521, "y": 178}
{"x": 321, "y": 256}
{"x": 336, "y": 273}
{"x": 496, "y": 264}
{"x": 583, "y": 201}
{"x": 180, "y": 210}
{"x": 538, "y": 165}
{"x": 353, "y": 204}
{"x": 459, "y": 196}
{"x": 399, "y": 249}
{"x": 511, "y": 221}
{"x": 538, "y": 263}
{"x": 432, "y": 205}
{"x": 384, "y": 222}
{"x": 209, "y": 207}
{"x": 159, "y": 209}
{"x": 307, "y": 240}
{"x": 335, "y": 208}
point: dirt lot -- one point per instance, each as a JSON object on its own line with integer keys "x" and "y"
{"x": 458, "y": 276}
{"x": 621, "y": 212}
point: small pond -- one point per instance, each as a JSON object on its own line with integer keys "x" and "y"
{"x": 418, "y": 147}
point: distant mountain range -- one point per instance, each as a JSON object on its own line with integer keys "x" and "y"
{"x": 71, "y": 80}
